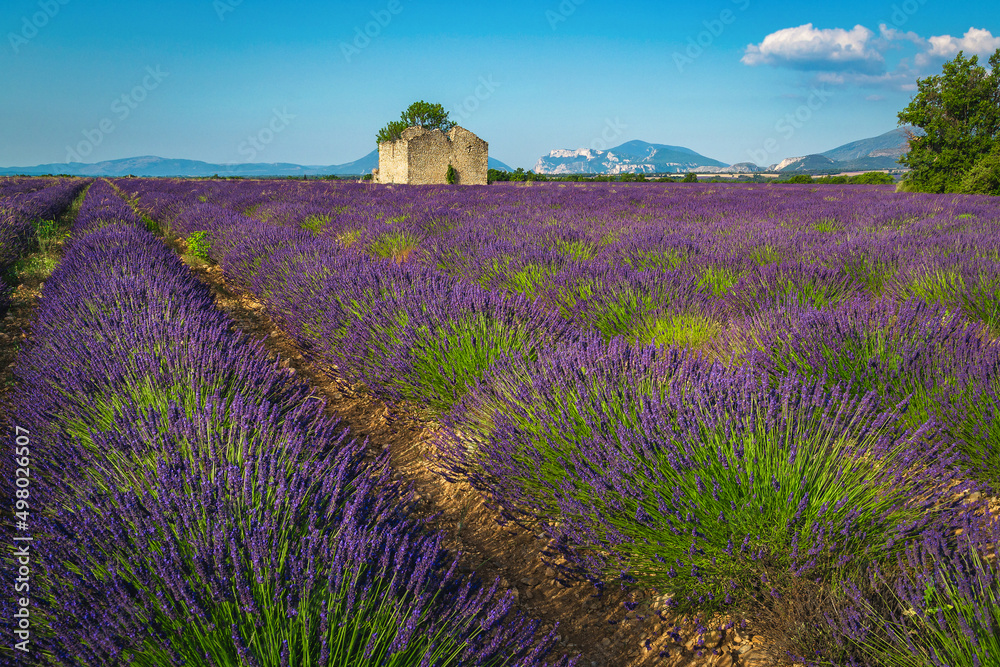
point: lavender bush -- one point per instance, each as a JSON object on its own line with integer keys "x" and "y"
{"x": 860, "y": 324}
{"x": 28, "y": 207}
{"x": 941, "y": 364}
{"x": 938, "y": 604}
{"x": 709, "y": 486}
{"x": 194, "y": 506}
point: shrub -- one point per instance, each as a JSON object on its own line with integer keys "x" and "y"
{"x": 784, "y": 284}
{"x": 196, "y": 508}
{"x": 971, "y": 286}
{"x": 936, "y": 362}
{"x": 940, "y": 604}
{"x": 198, "y": 244}
{"x": 451, "y": 176}
{"x": 873, "y": 178}
{"x": 662, "y": 308}
{"x": 984, "y": 176}
{"x": 429, "y": 344}
{"x": 315, "y": 222}
{"x": 715, "y": 487}
{"x": 396, "y": 246}
{"x": 322, "y": 555}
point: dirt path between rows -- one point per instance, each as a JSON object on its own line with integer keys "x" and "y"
{"x": 15, "y": 327}
{"x": 598, "y": 628}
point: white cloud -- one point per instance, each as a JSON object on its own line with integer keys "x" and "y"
{"x": 901, "y": 78}
{"x": 976, "y": 41}
{"x": 807, "y": 47}
{"x": 856, "y": 57}
{"x": 893, "y": 35}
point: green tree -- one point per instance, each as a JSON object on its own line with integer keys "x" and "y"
{"x": 872, "y": 178}
{"x": 984, "y": 177}
{"x": 689, "y": 178}
{"x": 451, "y": 176}
{"x": 959, "y": 110}
{"x": 494, "y": 175}
{"x": 422, "y": 114}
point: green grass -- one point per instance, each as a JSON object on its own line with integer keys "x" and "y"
{"x": 394, "y": 245}
{"x": 315, "y": 223}
{"x": 450, "y": 359}
{"x": 826, "y": 225}
{"x": 689, "y": 330}
{"x": 198, "y": 245}
{"x": 663, "y": 259}
{"x": 765, "y": 254}
{"x": 978, "y": 296}
{"x": 348, "y": 237}
{"x": 580, "y": 251}
{"x": 717, "y": 280}
{"x": 531, "y": 280}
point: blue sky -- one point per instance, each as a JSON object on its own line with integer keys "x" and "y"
{"x": 312, "y": 82}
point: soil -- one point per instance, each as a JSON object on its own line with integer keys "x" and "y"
{"x": 15, "y": 328}
{"x": 596, "y": 627}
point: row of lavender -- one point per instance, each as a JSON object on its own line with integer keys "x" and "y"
{"x": 587, "y": 248}
{"x": 827, "y": 459}
{"x": 24, "y": 202}
{"x": 196, "y": 506}
{"x": 15, "y": 185}
{"x": 894, "y": 293}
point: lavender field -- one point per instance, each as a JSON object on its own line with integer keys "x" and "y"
{"x": 777, "y": 406}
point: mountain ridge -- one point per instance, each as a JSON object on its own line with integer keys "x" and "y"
{"x": 155, "y": 166}
{"x": 870, "y": 154}
{"x": 635, "y": 156}
{"x": 630, "y": 157}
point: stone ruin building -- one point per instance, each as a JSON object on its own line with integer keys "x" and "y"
{"x": 421, "y": 157}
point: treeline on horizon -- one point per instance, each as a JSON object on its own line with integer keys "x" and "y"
{"x": 868, "y": 178}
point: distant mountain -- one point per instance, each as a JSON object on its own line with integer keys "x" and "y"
{"x": 370, "y": 161}
{"x": 872, "y": 154}
{"x": 806, "y": 163}
{"x": 630, "y": 157}
{"x": 157, "y": 166}
{"x": 358, "y": 167}
{"x": 888, "y": 147}
{"x": 744, "y": 168}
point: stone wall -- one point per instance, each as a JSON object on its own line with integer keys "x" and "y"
{"x": 430, "y": 152}
{"x": 393, "y": 162}
{"x": 469, "y": 156}
{"x": 421, "y": 157}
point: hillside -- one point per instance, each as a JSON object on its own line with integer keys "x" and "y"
{"x": 150, "y": 165}
{"x": 630, "y": 157}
